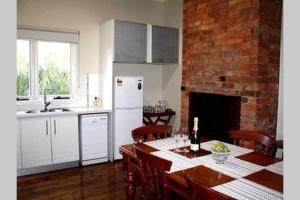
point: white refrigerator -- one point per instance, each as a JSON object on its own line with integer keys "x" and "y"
{"x": 127, "y": 109}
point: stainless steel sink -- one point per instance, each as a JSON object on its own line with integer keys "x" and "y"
{"x": 49, "y": 110}
{"x": 34, "y": 111}
{"x": 59, "y": 110}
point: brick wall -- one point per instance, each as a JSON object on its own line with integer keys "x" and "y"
{"x": 232, "y": 47}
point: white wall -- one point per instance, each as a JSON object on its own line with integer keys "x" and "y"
{"x": 171, "y": 83}
{"x": 279, "y": 128}
{"x": 86, "y": 16}
{"x": 172, "y": 74}
{"x": 173, "y": 13}
{"x": 279, "y": 132}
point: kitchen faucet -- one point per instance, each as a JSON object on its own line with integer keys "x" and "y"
{"x": 46, "y": 103}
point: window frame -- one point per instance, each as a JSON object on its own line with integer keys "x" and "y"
{"x": 35, "y": 34}
{"x": 30, "y": 70}
{"x": 33, "y": 68}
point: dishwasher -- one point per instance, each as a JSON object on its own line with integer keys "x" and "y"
{"x": 93, "y": 139}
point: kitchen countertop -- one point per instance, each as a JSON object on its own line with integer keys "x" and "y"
{"x": 75, "y": 110}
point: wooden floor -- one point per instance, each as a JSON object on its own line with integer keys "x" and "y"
{"x": 101, "y": 181}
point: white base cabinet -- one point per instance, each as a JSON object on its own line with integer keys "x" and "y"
{"x": 19, "y": 154}
{"x": 65, "y": 144}
{"x": 36, "y": 142}
{"x": 49, "y": 140}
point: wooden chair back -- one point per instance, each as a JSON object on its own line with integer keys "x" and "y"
{"x": 151, "y": 132}
{"x": 198, "y": 191}
{"x": 255, "y": 140}
{"x": 152, "y": 174}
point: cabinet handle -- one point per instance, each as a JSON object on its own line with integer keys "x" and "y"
{"x": 54, "y": 127}
{"x": 46, "y": 127}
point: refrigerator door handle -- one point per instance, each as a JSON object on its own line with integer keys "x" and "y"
{"x": 131, "y": 108}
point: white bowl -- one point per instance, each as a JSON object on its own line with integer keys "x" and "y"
{"x": 219, "y": 157}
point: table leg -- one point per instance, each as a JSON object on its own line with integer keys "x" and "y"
{"x": 166, "y": 192}
{"x": 129, "y": 178}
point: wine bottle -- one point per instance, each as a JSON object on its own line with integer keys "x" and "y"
{"x": 195, "y": 140}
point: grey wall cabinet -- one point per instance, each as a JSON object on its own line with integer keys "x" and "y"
{"x": 130, "y": 42}
{"x": 165, "y": 43}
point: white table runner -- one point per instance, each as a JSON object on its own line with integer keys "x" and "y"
{"x": 170, "y": 143}
{"x": 179, "y": 162}
{"x": 276, "y": 168}
{"x": 233, "y": 167}
{"x": 166, "y": 144}
{"x": 235, "y": 150}
{"x": 247, "y": 190}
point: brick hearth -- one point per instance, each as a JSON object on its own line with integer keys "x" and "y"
{"x": 232, "y": 47}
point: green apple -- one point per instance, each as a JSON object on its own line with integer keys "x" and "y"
{"x": 220, "y": 148}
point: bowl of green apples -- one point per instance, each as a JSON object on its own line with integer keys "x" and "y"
{"x": 220, "y": 152}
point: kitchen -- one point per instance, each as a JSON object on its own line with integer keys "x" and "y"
{"x": 60, "y": 116}
{"x": 93, "y": 65}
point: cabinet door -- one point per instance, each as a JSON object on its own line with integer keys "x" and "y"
{"x": 35, "y": 141}
{"x": 130, "y": 42}
{"x": 65, "y": 146}
{"x": 19, "y": 154}
{"x": 165, "y": 42}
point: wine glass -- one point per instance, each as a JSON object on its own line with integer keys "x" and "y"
{"x": 177, "y": 137}
{"x": 185, "y": 137}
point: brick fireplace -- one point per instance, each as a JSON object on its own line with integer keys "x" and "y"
{"x": 232, "y": 47}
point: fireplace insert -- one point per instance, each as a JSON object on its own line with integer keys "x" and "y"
{"x": 217, "y": 114}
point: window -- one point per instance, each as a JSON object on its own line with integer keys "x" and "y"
{"x": 46, "y": 59}
{"x": 23, "y": 68}
{"x": 54, "y": 67}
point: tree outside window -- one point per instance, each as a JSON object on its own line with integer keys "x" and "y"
{"x": 54, "y": 67}
{"x": 23, "y": 68}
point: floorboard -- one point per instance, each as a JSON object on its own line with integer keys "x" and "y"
{"x": 101, "y": 181}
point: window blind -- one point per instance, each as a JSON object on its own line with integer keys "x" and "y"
{"x": 47, "y": 34}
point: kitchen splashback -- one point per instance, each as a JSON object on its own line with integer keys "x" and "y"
{"x": 89, "y": 88}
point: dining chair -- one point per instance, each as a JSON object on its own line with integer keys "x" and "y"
{"x": 151, "y": 132}
{"x": 255, "y": 140}
{"x": 200, "y": 192}
{"x": 152, "y": 175}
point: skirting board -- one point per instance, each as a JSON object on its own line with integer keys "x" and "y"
{"x": 34, "y": 170}
{"x": 94, "y": 161}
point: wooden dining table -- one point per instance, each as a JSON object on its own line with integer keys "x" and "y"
{"x": 246, "y": 174}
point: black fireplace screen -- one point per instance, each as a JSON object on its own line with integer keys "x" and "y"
{"x": 217, "y": 114}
